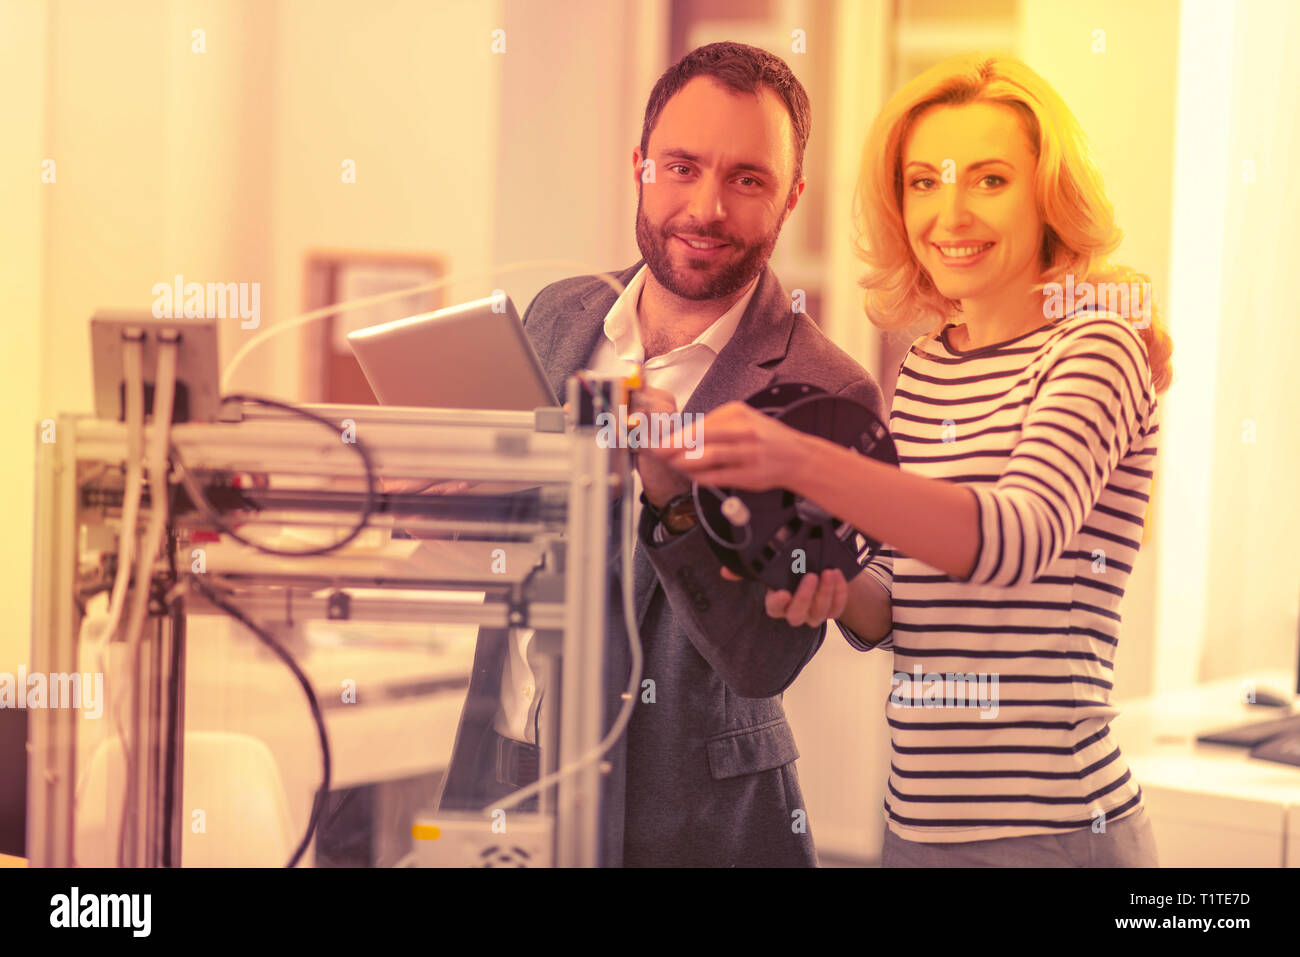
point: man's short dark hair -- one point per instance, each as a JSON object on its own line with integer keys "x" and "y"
{"x": 741, "y": 68}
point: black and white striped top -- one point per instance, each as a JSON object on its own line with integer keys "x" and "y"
{"x": 1000, "y": 700}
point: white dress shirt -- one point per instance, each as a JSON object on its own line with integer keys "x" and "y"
{"x": 677, "y": 372}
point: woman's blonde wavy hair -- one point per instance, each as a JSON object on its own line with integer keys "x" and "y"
{"x": 1079, "y": 230}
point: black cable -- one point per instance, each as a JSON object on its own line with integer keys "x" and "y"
{"x": 175, "y": 743}
{"x": 318, "y": 805}
{"x": 210, "y": 513}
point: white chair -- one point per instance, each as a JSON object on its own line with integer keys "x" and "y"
{"x": 232, "y": 779}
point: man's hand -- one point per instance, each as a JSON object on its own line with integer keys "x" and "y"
{"x": 661, "y": 483}
{"x": 817, "y": 599}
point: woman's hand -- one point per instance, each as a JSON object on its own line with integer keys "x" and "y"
{"x": 737, "y": 446}
{"x": 814, "y": 601}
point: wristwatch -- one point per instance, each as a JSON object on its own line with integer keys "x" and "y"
{"x": 678, "y": 515}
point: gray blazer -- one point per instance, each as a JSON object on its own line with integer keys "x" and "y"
{"x": 705, "y": 775}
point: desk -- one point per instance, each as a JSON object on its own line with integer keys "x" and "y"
{"x": 1211, "y": 805}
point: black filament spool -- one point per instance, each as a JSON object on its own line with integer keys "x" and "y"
{"x": 780, "y": 521}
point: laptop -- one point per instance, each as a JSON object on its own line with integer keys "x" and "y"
{"x": 471, "y": 356}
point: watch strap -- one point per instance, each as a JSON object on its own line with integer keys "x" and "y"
{"x": 678, "y": 515}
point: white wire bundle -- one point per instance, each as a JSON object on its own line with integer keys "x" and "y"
{"x": 163, "y": 395}
{"x": 133, "y": 375}
{"x": 133, "y": 372}
{"x": 160, "y": 436}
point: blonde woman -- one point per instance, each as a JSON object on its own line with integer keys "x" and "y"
{"x": 1026, "y": 425}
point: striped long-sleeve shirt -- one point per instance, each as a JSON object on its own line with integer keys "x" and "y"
{"x": 1000, "y": 701}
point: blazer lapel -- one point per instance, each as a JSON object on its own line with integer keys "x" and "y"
{"x": 574, "y": 337}
{"x": 761, "y": 338}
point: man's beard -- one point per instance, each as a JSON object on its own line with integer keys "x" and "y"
{"x": 700, "y": 284}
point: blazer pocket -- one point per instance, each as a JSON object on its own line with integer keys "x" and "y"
{"x": 750, "y": 750}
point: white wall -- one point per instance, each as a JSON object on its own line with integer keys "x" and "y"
{"x": 1253, "y": 517}
{"x": 1186, "y": 95}
{"x": 23, "y": 39}
{"x": 410, "y": 92}
{"x": 1125, "y": 100}
{"x": 564, "y": 186}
